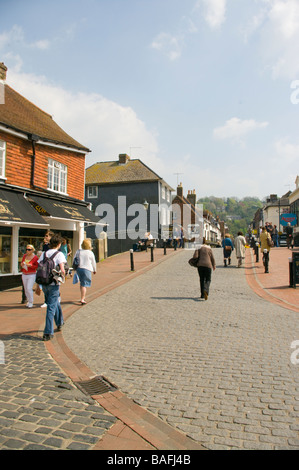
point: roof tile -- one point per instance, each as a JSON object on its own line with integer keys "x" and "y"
{"x": 112, "y": 172}
{"x": 21, "y": 115}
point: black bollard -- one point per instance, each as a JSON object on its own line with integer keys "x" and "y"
{"x": 132, "y": 260}
{"x": 266, "y": 260}
{"x": 257, "y": 252}
{"x": 164, "y": 247}
{"x": 152, "y": 253}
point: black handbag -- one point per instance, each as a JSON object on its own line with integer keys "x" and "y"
{"x": 194, "y": 261}
{"x": 76, "y": 262}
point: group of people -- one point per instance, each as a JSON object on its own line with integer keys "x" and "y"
{"x": 144, "y": 242}
{"x": 57, "y": 248}
{"x": 228, "y": 247}
{"x": 273, "y": 232}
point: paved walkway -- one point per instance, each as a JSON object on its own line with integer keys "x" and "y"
{"x": 190, "y": 374}
{"x": 41, "y": 408}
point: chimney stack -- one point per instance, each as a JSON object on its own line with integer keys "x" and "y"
{"x": 3, "y": 70}
{"x": 123, "y": 158}
{"x": 192, "y": 197}
{"x": 179, "y": 190}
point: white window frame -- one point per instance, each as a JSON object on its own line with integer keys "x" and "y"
{"x": 57, "y": 176}
{"x": 90, "y": 193}
{"x": 2, "y": 158}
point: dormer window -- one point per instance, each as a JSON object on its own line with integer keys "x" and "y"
{"x": 57, "y": 176}
{"x": 2, "y": 158}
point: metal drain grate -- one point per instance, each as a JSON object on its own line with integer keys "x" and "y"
{"x": 95, "y": 386}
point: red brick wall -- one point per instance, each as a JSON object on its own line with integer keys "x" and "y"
{"x": 19, "y": 160}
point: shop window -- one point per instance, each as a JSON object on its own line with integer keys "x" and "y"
{"x": 35, "y": 237}
{"x": 5, "y": 250}
{"x": 57, "y": 176}
{"x": 2, "y": 158}
{"x": 37, "y": 242}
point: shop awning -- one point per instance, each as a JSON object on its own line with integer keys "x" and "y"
{"x": 15, "y": 209}
{"x": 59, "y": 209}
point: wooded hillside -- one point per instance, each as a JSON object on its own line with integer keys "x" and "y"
{"x": 236, "y": 213}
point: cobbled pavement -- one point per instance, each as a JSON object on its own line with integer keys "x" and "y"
{"x": 218, "y": 370}
{"x": 40, "y": 408}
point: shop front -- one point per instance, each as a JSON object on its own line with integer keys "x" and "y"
{"x": 24, "y": 219}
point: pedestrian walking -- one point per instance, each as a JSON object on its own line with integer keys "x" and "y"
{"x": 29, "y": 266}
{"x": 228, "y": 248}
{"x": 86, "y": 265}
{"x": 289, "y": 233}
{"x": 52, "y": 290}
{"x": 47, "y": 238}
{"x": 275, "y": 236}
{"x": 205, "y": 265}
{"x": 266, "y": 243}
{"x": 67, "y": 251}
{"x": 240, "y": 243}
{"x": 45, "y": 247}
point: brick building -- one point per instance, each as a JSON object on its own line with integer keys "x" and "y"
{"x": 42, "y": 172}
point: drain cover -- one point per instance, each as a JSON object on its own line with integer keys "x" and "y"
{"x": 95, "y": 386}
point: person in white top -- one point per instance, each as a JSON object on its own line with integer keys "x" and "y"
{"x": 51, "y": 291}
{"x": 87, "y": 265}
{"x": 240, "y": 243}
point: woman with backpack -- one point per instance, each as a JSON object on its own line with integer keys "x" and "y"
{"x": 49, "y": 259}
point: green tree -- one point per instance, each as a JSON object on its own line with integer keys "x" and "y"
{"x": 237, "y": 214}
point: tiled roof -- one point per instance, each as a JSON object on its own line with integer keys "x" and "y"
{"x": 113, "y": 172}
{"x": 19, "y": 114}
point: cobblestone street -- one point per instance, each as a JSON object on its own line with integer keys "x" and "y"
{"x": 218, "y": 370}
{"x": 40, "y": 407}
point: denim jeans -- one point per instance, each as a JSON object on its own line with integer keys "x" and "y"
{"x": 54, "y": 312}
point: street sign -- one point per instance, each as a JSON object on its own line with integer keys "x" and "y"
{"x": 286, "y": 218}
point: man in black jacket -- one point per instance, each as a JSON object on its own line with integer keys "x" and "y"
{"x": 289, "y": 234}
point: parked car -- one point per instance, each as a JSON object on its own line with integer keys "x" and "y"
{"x": 283, "y": 240}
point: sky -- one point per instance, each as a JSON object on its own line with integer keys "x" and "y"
{"x": 204, "y": 92}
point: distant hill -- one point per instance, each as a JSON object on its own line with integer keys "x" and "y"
{"x": 236, "y": 213}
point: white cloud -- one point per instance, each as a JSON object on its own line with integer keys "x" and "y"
{"x": 106, "y": 127}
{"x": 286, "y": 153}
{"x": 169, "y": 45}
{"x": 42, "y": 44}
{"x": 236, "y": 128}
{"x": 284, "y": 15}
{"x": 15, "y": 36}
{"x": 277, "y": 23}
{"x": 214, "y": 12}
{"x": 172, "y": 45}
